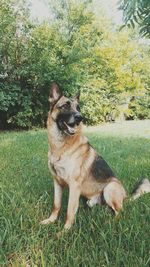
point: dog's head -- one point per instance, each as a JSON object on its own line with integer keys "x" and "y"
{"x": 64, "y": 111}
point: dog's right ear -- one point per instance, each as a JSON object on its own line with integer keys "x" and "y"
{"x": 55, "y": 93}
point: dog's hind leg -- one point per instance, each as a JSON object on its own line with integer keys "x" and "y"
{"x": 114, "y": 194}
{"x": 57, "y": 204}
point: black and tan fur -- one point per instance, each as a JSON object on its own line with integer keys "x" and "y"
{"x": 75, "y": 163}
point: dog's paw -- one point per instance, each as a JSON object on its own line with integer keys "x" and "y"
{"x": 89, "y": 203}
{"x": 47, "y": 221}
{"x": 64, "y": 231}
{"x": 67, "y": 227}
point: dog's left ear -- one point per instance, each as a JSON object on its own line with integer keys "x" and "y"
{"x": 77, "y": 96}
{"x": 55, "y": 93}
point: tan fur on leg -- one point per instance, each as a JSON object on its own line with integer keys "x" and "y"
{"x": 74, "y": 195}
{"x": 114, "y": 195}
{"x": 57, "y": 204}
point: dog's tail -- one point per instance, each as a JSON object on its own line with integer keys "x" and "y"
{"x": 142, "y": 187}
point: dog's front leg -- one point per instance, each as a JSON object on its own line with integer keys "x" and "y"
{"x": 74, "y": 195}
{"x": 57, "y": 203}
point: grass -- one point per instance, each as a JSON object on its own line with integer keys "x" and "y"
{"x": 97, "y": 239}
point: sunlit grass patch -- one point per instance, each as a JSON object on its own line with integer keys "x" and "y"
{"x": 97, "y": 238}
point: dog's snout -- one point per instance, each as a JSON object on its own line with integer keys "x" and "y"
{"x": 78, "y": 117}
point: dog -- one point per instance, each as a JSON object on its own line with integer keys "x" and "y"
{"x": 73, "y": 162}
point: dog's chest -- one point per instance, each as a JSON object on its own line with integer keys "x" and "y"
{"x": 63, "y": 166}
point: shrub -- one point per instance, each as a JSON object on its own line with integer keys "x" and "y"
{"x": 98, "y": 105}
{"x": 139, "y": 108}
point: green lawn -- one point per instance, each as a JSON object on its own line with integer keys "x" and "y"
{"x": 97, "y": 239}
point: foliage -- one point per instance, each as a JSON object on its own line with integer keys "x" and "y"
{"x": 137, "y": 12}
{"x": 98, "y": 104}
{"x": 117, "y": 69}
{"x": 139, "y": 108}
{"x": 14, "y": 94}
{"x": 77, "y": 50}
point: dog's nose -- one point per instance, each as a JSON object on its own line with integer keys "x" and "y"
{"x": 78, "y": 117}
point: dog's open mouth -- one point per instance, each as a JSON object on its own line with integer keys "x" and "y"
{"x": 69, "y": 128}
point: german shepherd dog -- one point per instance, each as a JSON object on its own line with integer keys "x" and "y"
{"x": 73, "y": 162}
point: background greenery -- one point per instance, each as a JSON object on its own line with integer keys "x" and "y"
{"x": 97, "y": 238}
{"x": 79, "y": 50}
{"x": 137, "y": 12}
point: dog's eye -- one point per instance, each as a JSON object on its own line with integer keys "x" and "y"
{"x": 78, "y": 108}
{"x": 66, "y": 105}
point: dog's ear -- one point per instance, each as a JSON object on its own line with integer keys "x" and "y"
{"x": 55, "y": 93}
{"x": 77, "y": 96}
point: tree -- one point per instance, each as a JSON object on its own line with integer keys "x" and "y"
{"x": 76, "y": 49}
{"x": 137, "y": 12}
{"x": 14, "y": 34}
{"x": 117, "y": 70}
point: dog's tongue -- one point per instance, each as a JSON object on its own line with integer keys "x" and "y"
{"x": 70, "y": 129}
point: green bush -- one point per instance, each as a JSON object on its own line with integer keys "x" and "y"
{"x": 139, "y": 108}
{"x": 98, "y": 105}
{"x": 76, "y": 51}
{"x": 22, "y": 107}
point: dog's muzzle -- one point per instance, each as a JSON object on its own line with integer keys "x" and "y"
{"x": 68, "y": 124}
